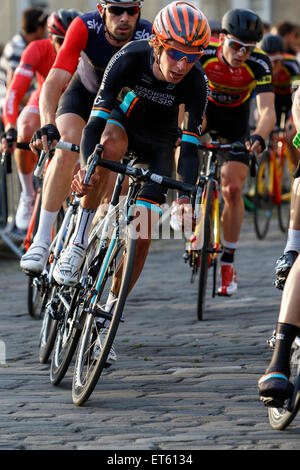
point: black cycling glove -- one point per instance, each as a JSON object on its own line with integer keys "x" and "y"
{"x": 259, "y": 138}
{"x": 49, "y": 130}
{"x": 10, "y": 135}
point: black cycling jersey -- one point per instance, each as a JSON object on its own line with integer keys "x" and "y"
{"x": 133, "y": 97}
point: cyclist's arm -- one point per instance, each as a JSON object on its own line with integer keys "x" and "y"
{"x": 116, "y": 75}
{"x": 20, "y": 83}
{"x": 296, "y": 109}
{"x": 296, "y": 117}
{"x": 63, "y": 68}
{"x": 50, "y": 94}
{"x": 267, "y": 116}
{"x": 195, "y": 111}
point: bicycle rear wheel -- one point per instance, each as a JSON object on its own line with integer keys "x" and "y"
{"x": 88, "y": 368}
{"x": 280, "y": 418}
{"x": 263, "y": 200}
{"x": 34, "y": 291}
{"x": 204, "y": 254}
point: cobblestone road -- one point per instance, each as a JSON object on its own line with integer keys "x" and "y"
{"x": 178, "y": 383}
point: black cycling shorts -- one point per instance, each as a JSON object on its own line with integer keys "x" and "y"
{"x": 76, "y": 99}
{"x": 153, "y": 148}
{"x": 230, "y": 124}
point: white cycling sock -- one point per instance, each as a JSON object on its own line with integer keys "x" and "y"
{"x": 47, "y": 220}
{"x": 81, "y": 233}
{"x": 26, "y": 181}
{"x": 293, "y": 241}
{"x": 111, "y": 301}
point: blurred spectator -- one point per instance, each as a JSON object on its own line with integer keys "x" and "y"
{"x": 215, "y": 28}
{"x": 290, "y": 33}
{"x": 33, "y": 26}
{"x": 267, "y": 27}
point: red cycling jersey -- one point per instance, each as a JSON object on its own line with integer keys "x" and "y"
{"x": 288, "y": 72}
{"x": 37, "y": 58}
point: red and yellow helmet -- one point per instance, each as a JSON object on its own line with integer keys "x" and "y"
{"x": 182, "y": 22}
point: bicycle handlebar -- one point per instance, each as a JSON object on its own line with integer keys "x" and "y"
{"x": 39, "y": 169}
{"x": 215, "y": 145}
{"x": 140, "y": 174}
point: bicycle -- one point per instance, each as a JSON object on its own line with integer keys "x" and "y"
{"x": 273, "y": 185}
{"x": 46, "y": 288}
{"x": 110, "y": 255}
{"x": 35, "y": 283}
{"x": 10, "y": 194}
{"x": 204, "y": 245}
{"x": 280, "y": 417}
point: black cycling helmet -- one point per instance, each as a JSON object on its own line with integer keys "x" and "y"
{"x": 244, "y": 24}
{"x": 59, "y": 21}
{"x": 272, "y": 44}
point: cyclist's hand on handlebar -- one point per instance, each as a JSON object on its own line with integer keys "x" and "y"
{"x": 9, "y": 140}
{"x": 181, "y": 214}
{"x": 43, "y": 136}
{"x": 256, "y": 143}
{"x": 78, "y": 185}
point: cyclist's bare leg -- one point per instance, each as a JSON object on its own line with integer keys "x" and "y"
{"x": 295, "y": 206}
{"x": 60, "y": 172}
{"x": 28, "y": 122}
{"x": 290, "y": 301}
{"x": 233, "y": 175}
{"x": 115, "y": 142}
{"x": 145, "y": 223}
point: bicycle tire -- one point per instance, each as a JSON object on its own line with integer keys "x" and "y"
{"x": 280, "y": 418}
{"x": 33, "y": 292}
{"x": 204, "y": 254}
{"x": 263, "y": 201}
{"x": 283, "y": 209}
{"x": 86, "y": 374}
{"x": 48, "y": 329}
{"x": 67, "y": 337}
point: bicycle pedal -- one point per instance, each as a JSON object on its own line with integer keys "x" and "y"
{"x": 279, "y": 283}
{"x": 272, "y": 402}
{"x": 78, "y": 326}
{"x": 55, "y": 315}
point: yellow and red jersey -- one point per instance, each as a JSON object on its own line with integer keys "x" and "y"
{"x": 231, "y": 87}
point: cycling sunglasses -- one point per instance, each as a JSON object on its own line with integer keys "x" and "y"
{"x": 238, "y": 46}
{"x": 178, "y": 54}
{"x": 118, "y": 11}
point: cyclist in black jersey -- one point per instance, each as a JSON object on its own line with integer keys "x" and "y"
{"x": 137, "y": 107}
{"x": 274, "y": 386}
{"x": 94, "y": 37}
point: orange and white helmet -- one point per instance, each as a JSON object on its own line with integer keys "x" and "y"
{"x": 182, "y": 22}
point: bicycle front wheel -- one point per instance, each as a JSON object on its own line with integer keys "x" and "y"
{"x": 89, "y": 366}
{"x": 49, "y": 327}
{"x": 67, "y": 337}
{"x": 280, "y": 418}
{"x": 263, "y": 199}
{"x": 207, "y": 245}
